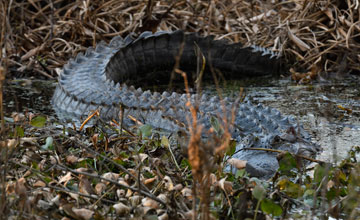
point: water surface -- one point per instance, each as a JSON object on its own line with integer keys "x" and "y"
{"x": 330, "y": 110}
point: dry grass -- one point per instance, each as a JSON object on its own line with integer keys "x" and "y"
{"x": 321, "y": 36}
{"x": 39, "y": 36}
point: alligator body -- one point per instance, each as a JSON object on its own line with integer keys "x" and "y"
{"x": 106, "y": 77}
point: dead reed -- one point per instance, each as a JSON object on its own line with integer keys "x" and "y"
{"x": 317, "y": 36}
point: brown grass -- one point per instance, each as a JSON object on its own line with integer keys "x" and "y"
{"x": 42, "y": 36}
{"x": 38, "y": 36}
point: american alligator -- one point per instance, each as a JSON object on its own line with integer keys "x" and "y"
{"x": 100, "y": 79}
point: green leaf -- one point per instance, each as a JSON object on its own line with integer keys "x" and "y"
{"x": 240, "y": 173}
{"x": 294, "y": 190}
{"x": 38, "y": 121}
{"x": 291, "y": 189}
{"x": 231, "y": 148}
{"x": 165, "y": 141}
{"x": 319, "y": 173}
{"x": 264, "y": 184}
{"x": 271, "y": 208}
{"x": 120, "y": 161}
{"x": 331, "y": 194}
{"x": 47, "y": 179}
{"x": 150, "y": 217}
{"x": 309, "y": 197}
{"x": 216, "y": 125}
{"x": 19, "y": 131}
{"x": 48, "y": 144}
{"x": 146, "y": 130}
{"x": 185, "y": 163}
{"x": 259, "y": 192}
{"x": 287, "y": 163}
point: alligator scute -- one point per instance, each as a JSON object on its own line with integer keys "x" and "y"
{"x": 100, "y": 79}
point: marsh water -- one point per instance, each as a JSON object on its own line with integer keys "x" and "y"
{"x": 329, "y": 110}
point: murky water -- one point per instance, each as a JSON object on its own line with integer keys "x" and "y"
{"x": 329, "y": 111}
{"x": 26, "y": 95}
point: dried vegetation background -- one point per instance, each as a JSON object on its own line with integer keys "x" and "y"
{"x": 46, "y": 174}
{"x": 315, "y": 37}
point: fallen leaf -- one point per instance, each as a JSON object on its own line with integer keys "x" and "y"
{"x": 99, "y": 188}
{"x": 187, "y": 192}
{"x": 39, "y": 183}
{"x": 85, "y": 186}
{"x": 226, "y": 186}
{"x": 65, "y": 179}
{"x": 129, "y": 193}
{"x": 164, "y": 216}
{"x": 237, "y": 163}
{"x": 71, "y": 159}
{"x": 168, "y": 183}
{"x": 147, "y": 202}
{"x": 178, "y": 187}
{"x": 135, "y": 200}
{"x": 121, "y": 209}
{"x": 120, "y": 193}
{"x": 83, "y": 213}
{"x": 150, "y": 181}
{"x": 162, "y": 197}
{"x": 20, "y": 188}
{"x": 111, "y": 176}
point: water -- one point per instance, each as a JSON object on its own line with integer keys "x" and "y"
{"x": 330, "y": 111}
{"x": 26, "y": 95}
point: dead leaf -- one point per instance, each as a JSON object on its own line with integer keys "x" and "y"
{"x": 187, "y": 192}
{"x": 135, "y": 200}
{"x": 20, "y": 187}
{"x": 164, "y": 216}
{"x": 178, "y": 187}
{"x": 147, "y": 202}
{"x": 237, "y": 163}
{"x": 150, "y": 181}
{"x": 141, "y": 157}
{"x": 189, "y": 214}
{"x": 168, "y": 183}
{"x": 111, "y": 176}
{"x": 82, "y": 213}
{"x": 129, "y": 193}
{"x": 226, "y": 186}
{"x": 33, "y": 52}
{"x": 330, "y": 184}
{"x": 162, "y": 197}
{"x": 65, "y": 179}
{"x": 85, "y": 186}
{"x": 39, "y": 183}
{"x": 212, "y": 179}
{"x": 120, "y": 193}
{"x": 301, "y": 44}
{"x": 71, "y": 159}
{"x": 121, "y": 209}
{"x": 10, "y": 188}
{"x": 100, "y": 188}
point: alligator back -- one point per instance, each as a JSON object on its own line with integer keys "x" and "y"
{"x": 99, "y": 79}
{"x": 152, "y": 57}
